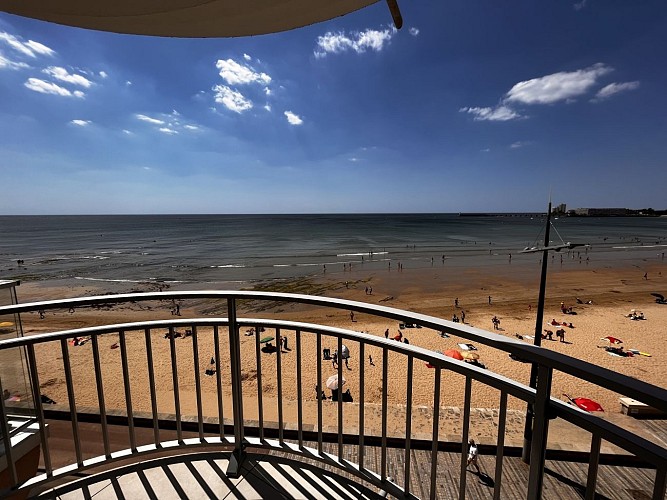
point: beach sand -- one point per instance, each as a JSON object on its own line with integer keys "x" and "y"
{"x": 513, "y": 289}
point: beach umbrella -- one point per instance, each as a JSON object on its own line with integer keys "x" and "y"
{"x": 585, "y": 403}
{"x": 344, "y": 352}
{"x": 6, "y": 324}
{"x": 470, "y": 355}
{"x": 266, "y": 339}
{"x": 332, "y": 382}
{"x": 453, "y": 353}
{"x": 612, "y": 340}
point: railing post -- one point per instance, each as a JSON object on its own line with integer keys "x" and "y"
{"x": 235, "y": 461}
{"x": 540, "y": 432}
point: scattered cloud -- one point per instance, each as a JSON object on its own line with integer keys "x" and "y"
{"x": 81, "y": 123}
{"x": 519, "y": 144}
{"x": 238, "y": 74}
{"x": 29, "y": 48}
{"x": 64, "y": 76}
{"x": 267, "y": 107}
{"x": 103, "y": 74}
{"x": 128, "y": 83}
{"x": 127, "y": 132}
{"x": 500, "y": 113}
{"x": 557, "y": 86}
{"x": 247, "y": 57}
{"x": 414, "y": 31}
{"x": 7, "y": 64}
{"x": 486, "y": 150}
{"x": 580, "y": 5}
{"x": 292, "y": 118}
{"x": 614, "y": 88}
{"x": 145, "y": 118}
{"x": 564, "y": 86}
{"x": 37, "y": 85}
{"x": 191, "y": 127}
{"x": 357, "y": 41}
{"x": 231, "y": 99}
{"x": 168, "y": 131}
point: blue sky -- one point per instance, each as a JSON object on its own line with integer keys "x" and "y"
{"x": 472, "y": 106}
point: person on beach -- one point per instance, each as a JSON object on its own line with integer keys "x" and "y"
{"x": 489, "y": 299}
{"x": 456, "y": 302}
{"x": 472, "y": 455}
{"x": 370, "y": 360}
{"x": 352, "y": 316}
{"x": 463, "y": 316}
{"x": 386, "y": 333}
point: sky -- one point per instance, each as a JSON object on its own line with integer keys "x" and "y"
{"x": 472, "y": 106}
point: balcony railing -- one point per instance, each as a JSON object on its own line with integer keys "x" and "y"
{"x": 237, "y": 433}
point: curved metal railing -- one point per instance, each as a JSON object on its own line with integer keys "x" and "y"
{"x": 241, "y": 435}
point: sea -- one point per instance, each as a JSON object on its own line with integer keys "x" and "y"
{"x": 233, "y": 251}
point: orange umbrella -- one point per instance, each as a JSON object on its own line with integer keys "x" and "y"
{"x": 612, "y": 340}
{"x": 453, "y": 353}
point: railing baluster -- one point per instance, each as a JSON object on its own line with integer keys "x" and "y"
{"x": 218, "y": 380}
{"x": 660, "y": 483}
{"x": 4, "y": 428}
{"x": 260, "y": 391}
{"x": 593, "y": 462}
{"x": 37, "y": 397}
{"x": 362, "y": 373}
{"x": 319, "y": 392}
{"x": 100, "y": 395}
{"x": 174, "y": 377}
{"x": 540, "y": 432}
{"x": 128, "y": 391}
{"x": 299, "y": 389}
{"x": 72, "y": 404}
{"x": 195, "y": 360}
{"x": 500, "y": 448}
{"x": 279, "y": 376}
{"x": 464, "y": 438}
{"x": 340, "y": 398}
{"x": 436, "y": 427}
{"x": 385, "y": 382}
{"x": 408, "y": 425}
{"x": 234, "y": 467}
{"x": 151, "y": 386}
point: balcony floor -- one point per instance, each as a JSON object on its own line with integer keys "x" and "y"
{"x": 263, "y": 476}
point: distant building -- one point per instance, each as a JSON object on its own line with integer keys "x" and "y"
{"x": 559, "y": 209}
{"x": 601, "y": 212}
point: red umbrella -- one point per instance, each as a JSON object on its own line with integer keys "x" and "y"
{"x": 453, "y": 353}
{"x": 585, "y": 403}
{"x": 612, "y": 340}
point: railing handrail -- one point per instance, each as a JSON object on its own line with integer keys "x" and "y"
{"x": 642, "y": 391}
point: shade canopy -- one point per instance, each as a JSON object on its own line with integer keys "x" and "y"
{"x": 186, "y": 18}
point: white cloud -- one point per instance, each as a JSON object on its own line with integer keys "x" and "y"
{"x": 81, "y": 123}
{"x": 103, "y": 74}
{"x": 191, "y": 127}
{"x": 247, "y": 57}
{"x": 237, "y": 74}
{"x": 127, "y": 132}
{"x": 168, "y": 131}
{"x": 64, "y": 76}
{"x": 231, "y": 99}
{"x": 519, "y": 144}
{"x": 29, "y": 48}
{"x": 359, "y": 42}
{"x": 292, "y": 118}
{"x": 614, "y": 88}
{"x": 268, "y": 91}
{"x": 414, "y": 31}
{"x": 580, "y": 5}
{"x": 145, "y": 118}
{"x": 7, "y": 64}
{"x": 557, "y": 86}
{"x": 43, "y": 87}
{"x": 500, "y": 113}
{"x": 40, "y": 48}
{"x": 267, "y": 107}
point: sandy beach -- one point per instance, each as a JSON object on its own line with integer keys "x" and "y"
{"x": 612, "y": 293}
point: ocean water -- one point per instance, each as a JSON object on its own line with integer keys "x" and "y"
{"x": 233, "y": 250}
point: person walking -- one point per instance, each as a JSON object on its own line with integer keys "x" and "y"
{"x": 472, "y": 455}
